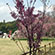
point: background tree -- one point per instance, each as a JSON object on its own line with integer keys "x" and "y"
{"x": 5, "y": 27}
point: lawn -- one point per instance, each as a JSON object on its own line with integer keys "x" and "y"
{"x": 8, "y": 47}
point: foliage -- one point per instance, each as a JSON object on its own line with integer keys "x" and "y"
{"x": 5, "y": 27}
{"x": 29, "y": 23}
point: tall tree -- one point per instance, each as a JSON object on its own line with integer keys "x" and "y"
{"x": 29, "y": 23}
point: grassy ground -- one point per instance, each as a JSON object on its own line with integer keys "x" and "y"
{"x": 8, "y": 47}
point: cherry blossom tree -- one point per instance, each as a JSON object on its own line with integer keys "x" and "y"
{"x": 29, "y": 23}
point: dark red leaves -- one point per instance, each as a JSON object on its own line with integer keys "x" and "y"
{"x": 36, "y": 15}
{"x": 13, "y": 14}
{"x": 31, "y": 1}
{"x": 29, "y": 23}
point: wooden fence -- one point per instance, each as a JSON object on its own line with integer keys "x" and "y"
{"x": 44, "y": 50}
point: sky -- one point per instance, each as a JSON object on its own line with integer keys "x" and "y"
{"x": 5, "y": 12}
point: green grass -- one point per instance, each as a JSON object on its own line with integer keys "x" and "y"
{"x": 43, "y": 39}
{"x": 8, "y": 47}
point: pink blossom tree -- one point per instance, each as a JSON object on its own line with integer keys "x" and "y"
{"x": 29, "y": 23}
